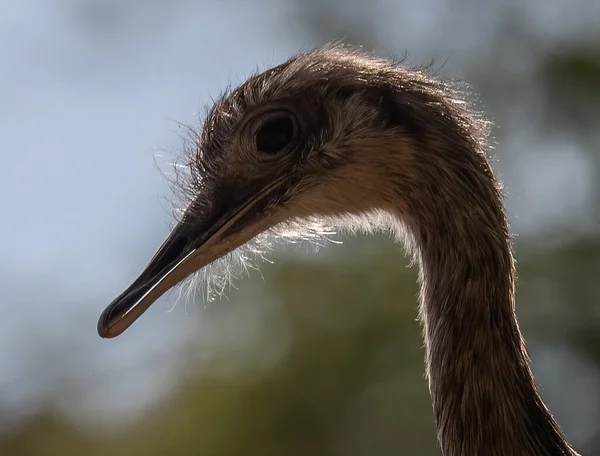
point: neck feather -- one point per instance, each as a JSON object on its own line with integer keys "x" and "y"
{"x": 484, "y": 396}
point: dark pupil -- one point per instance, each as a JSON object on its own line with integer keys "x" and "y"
{"x": 274, "y": 135}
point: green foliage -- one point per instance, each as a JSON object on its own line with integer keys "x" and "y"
{"x": 352, "y": 380}
{"x": 571, "y": 80}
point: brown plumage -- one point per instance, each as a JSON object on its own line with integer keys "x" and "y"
{"x": 335, "y": 134}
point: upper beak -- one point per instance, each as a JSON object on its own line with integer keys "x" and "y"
{"x": 186, "y": 250}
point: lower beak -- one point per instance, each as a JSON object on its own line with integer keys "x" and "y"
{"x": 176, "y": 259}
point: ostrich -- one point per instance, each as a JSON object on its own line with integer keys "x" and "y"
{"x": 338, "y": 134}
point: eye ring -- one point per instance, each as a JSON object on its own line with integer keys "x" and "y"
{"x": 275, "y": 132}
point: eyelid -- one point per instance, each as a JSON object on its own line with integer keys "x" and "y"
{"x": 260, "y": 119}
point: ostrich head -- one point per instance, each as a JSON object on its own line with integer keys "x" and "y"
{"x": 328, "y": 134}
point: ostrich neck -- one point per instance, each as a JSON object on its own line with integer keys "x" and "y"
{"x": 484, "y": 396}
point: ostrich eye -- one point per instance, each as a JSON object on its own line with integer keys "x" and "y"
{"x": 275, "y": 134}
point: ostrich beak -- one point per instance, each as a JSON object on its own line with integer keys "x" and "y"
{"x": 186, "y": 250}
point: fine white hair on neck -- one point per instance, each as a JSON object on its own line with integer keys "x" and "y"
{"x": 214, "y": 280}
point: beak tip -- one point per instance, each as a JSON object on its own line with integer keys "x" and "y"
{"x": 103, "y": 331}
{"x": 104, "y": 327}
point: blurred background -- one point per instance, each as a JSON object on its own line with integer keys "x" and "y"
{"x": 316, "y": 354}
